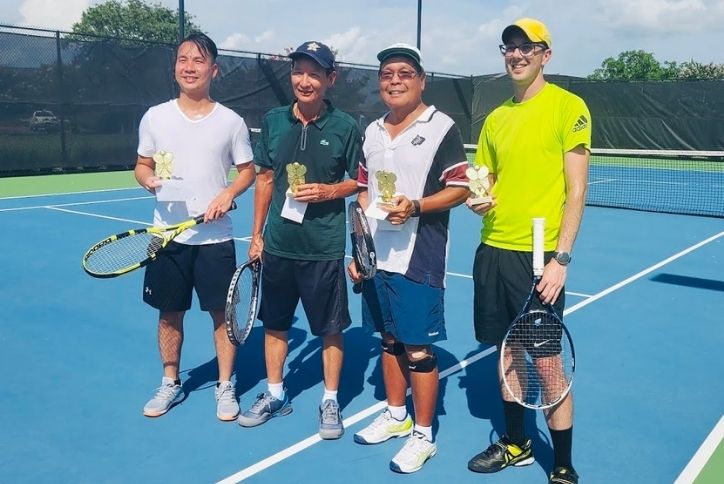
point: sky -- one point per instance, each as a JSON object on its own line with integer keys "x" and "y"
{"x": 458, "y": 36}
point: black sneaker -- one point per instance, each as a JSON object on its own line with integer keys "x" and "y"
{"x": 563, "y": 475}
{"x": 500, "y": 455}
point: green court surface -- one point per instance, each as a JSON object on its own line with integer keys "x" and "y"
{"x": 713, "y": 472}
{"x": 71, "y": 183}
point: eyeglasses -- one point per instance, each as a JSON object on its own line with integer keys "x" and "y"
{"x": 387, "y": 76}
{"x": 526, "y": 49}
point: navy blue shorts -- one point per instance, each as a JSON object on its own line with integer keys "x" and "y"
{"x": 321, "y": 286}
{"x": 412, "y": 312}
{"x": 179, "y": 269}
{"x": 502, "y": 280}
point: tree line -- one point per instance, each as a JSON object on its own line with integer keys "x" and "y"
{"x": 136, "y": 20}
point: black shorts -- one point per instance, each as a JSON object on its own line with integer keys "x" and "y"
{"x": 321, "y": 285}
{"x": 502, "y": 279}
{"x": 180, "y": 268}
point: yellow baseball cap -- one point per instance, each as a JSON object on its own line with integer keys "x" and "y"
{"x": 534, "y": 29}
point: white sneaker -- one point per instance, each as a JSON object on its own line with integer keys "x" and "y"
{"x": 416, "y": 451}
{"x": 383, "y": 428}
{"x": 168, "y": 394}
{"x": 227, "y": 408}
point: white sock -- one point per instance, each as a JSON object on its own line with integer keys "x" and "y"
{"x": 426, "y": 431}
{"x": 276, "y": 390}
{"x": 329, "y": 395}
{"x": 398, "y": 413}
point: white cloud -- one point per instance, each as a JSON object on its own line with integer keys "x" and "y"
{"x": 235, "y": 41}
{"x": 656, "y": 16}
{"x": 52, "y": 13}
{"x": 349, "y": 45}
{"x": 265, "y": 36}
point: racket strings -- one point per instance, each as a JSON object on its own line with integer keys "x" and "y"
{"x": 241, "y": 311}
{"x": 362, "y": 248}
{"x": 124, "y": 252}
{"x": 538, "y": 360}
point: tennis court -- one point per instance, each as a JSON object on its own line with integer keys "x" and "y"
{"x": 80, "y": 359}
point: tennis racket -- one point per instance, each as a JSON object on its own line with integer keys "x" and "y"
{"x": 125, "y": 252}
{"x": 363, "y": 247}
{"x": 537, "y": 359}
{"x": 242, "y": 301}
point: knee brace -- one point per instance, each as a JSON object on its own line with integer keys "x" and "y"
{"x": 395, "y": 349}
{"x": 426, "y": 364}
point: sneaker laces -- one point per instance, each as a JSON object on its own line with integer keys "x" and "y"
{"x": 262, "y": 400}
{"x": 165, "y": 392}
{"x": 495, "y": 448}
{"x": 330, "y": 412}
{"x": 380, "y": 420}
{"x": 226, "y": 393}
{"x": 416, "y": 442}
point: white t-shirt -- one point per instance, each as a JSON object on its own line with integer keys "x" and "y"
{"x": 203, "y": 151}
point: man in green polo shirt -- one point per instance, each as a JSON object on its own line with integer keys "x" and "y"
{"x": 303, "y": 155}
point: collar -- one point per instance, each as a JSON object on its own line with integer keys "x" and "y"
{"x": 424, "y": 117}
{"x": 319, "y": 122}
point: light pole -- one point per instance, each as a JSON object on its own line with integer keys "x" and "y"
{"x": 181, "y": 21}
{"x": 419, "y": 21}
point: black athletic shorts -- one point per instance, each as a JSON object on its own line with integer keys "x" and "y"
{"x": 181, "y": 268}
{"x": 321, "y": 286}
{"x": 502, "y": 280}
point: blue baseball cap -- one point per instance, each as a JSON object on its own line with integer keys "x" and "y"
{"x": 319, "y": 52}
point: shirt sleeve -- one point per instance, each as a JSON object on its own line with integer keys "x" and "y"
{"x": 485, "y": 152}
{"x": 451, "y": 160}
{"x": 241, "y": 152}
{"x": 261, "y": 149}
{"x": 146, "y": 144}
{"x": 576, "y": 128}
{"x": 362, "y": 173}
{"x": 353, "y": 152}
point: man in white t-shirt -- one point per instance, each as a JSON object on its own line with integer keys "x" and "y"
{"x": 185, "y": 151}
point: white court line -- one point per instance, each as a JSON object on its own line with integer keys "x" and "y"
{"x": 607, "y": 180}
{"x": 74, "y": 204}
{"x": 76, "y": 212}
{"x": 309, "y": 441}
{"x": 702, "y": 456}
{"x": 69, "y": 193}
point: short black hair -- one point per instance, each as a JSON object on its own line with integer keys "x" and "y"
{"x": 203, "y": 42}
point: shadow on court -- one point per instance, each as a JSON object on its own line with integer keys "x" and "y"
{"x": 305, "y": 368}
{"x": 445, "y": 359}
{"x": 480, "y": 382}
{"x": 696, "y": 282}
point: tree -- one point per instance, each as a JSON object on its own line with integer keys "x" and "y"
{"x": 638, "y": 65}
{"x": 134, "y": 20}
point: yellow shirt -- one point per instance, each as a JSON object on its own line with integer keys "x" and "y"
{"x": 523, "y": 145}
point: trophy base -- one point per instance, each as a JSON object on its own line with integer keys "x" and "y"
{"x": 481, "y": 200}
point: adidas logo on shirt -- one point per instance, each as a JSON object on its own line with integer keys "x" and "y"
{"x": 580, "y": 124}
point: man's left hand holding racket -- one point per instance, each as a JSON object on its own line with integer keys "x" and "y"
{"x": 125, "y": 252}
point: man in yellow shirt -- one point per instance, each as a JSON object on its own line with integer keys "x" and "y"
{"x": 536, "y": 148}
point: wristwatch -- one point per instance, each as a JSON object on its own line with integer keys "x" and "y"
{"x": 563, "y": 258}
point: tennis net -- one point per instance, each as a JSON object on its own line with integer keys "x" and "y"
{"x": 683, "y": 182}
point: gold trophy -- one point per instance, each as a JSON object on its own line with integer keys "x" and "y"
{"x": 295, "y": 176}
{"x": 386, "y": 186}
{"x": 479, "y": 184}
{"x": 164, "y": 164}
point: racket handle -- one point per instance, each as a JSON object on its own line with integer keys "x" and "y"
{"x": 357, "y": 288}
{"x": 538, "y": 245}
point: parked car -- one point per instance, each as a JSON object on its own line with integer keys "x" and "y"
{"x": 44, "y": 120}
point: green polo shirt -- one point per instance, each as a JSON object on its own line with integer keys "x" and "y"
{"x": 329, "y": 147}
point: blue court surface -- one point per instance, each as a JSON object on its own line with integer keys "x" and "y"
{"x": 79, "y": 359}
